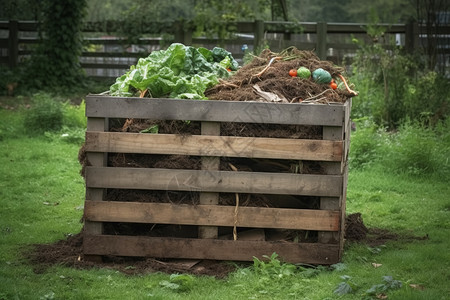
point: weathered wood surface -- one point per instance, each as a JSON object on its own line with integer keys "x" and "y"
{"x": 206, "y": 145}
{"x": 135, "y": 246}
{"x": 211, "y": 215}
{"x": 208, "y": 163}
{"x": 214, "y": 181}
{"x": 218, "y": 111}
{"x": 331, "y": 151}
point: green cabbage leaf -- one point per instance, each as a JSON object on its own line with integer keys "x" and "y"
{"x": 180, "y": 71}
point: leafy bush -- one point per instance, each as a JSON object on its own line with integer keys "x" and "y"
{"x": 395, "y": 87}
{"x": 413, "y": 149}
{"x": 45, "y": 114}
{"x": 273, "y": 268}
{"x": 55, "y": 63}
{"x": 365, "y": 144}
{"x": 74, "y": 115}
{"x": 418, "y": 150}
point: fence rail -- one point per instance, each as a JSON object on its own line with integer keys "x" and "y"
{"x": 109, "y": 55}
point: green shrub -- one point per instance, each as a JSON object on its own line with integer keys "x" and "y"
{"x": 365, "y": 144}
{"x": 45, "y": 114}
{"x": 419, "y": 150}
{"x": 394, "y": 87}
{"x": 74, "y": 115}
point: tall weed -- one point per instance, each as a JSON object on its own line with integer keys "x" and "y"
{"x": 365, "y": 144}
{"x": 45, "y": 114}
{"x": 414, "y": 149}
{"x": 74, "y": 115}
{"x": 55, "y": 119}
{"x": 418, "y": 150}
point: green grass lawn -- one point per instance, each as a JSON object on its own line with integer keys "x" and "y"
{"x": 41, "y": 200}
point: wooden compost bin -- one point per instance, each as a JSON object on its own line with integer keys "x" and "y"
{"x": 208, "y": 216}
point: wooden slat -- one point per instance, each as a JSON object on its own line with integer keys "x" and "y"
{"x": 209, "y": 163}
{"x": 207, "y": 145}
{"x": 218, "y": 111}
{"x": 214, "y": 181}
{"x": 214, "y": 249}
{"x": 105, "y": 66}
{"x": 211, "y": 215}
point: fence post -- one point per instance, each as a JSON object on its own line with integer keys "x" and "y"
{"x": 13, "y": 43}
{"x": 183, "y": 33}
{"x": 321, "y": 43}
{"x": 259, "y": 35}
{"x": 411, "y": 36}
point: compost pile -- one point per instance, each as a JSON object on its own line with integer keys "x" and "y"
{"x": 266, "y": 78}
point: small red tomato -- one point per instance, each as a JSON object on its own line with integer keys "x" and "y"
{"x": 293, "y": 73}
{"x": 333, "y": 85}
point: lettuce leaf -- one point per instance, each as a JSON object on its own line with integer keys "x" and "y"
{"x": 178, "y": 72}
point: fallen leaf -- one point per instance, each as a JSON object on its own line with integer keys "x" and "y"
{"x": 417, "y": 286}
{"x": 382, "y": 296}
{"x": 375, "y": 265}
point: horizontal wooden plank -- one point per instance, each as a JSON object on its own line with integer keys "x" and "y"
{"x": 211, "y": 215}
{"x": 134, "y": 55}
{"x": 105, "y": 66}
{"x": 135, "y": 246}
{"x": 205, "y": 145}
{"x": 218, "y": 111}
{"x": 214, "y": 181}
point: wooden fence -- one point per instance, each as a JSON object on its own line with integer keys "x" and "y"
{"x": 108, "y": 55}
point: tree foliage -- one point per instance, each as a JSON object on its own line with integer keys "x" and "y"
{"x": 56, "y": 61}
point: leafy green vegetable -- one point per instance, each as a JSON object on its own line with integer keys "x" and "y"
{"x": 181, "y": 71}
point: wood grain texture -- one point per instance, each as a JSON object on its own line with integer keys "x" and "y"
{"x": 211, "y": 215}
{"x": 135, "y": 246}
{"x": 208, "y": 145}
{"x": 208, "y": 163}
{"x": 214, "y": 181}
{"x": 217, "y": 111}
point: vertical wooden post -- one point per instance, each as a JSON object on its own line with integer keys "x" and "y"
{"x": 321, "y": 43}
{"x": 95, "y": 194}
{"x": 259, "y": 35}
{"x": 344, "y": 171}
{"x": 209, "y": 163}
{"x": 183, "y": 33}
{"x": 331, "y": 168}
{"x": 13, "y": 44}
{"x": 411, "y": 37}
